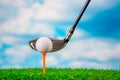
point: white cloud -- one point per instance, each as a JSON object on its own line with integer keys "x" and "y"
{"x": 51, "y": 61}
{"x": 19, "y": 24}
{"x": 43, "y": 29}
{"x": 85, "y": 64}
{"x": 17, "y": 3}
{"x": 22, "y": 24}
{"x": 79, "y": 33}
{"x": 9, "y": 39}
{"x": 2, "y": 13}
{"x": 49, "y": 11}
{"x": 91, "y": 49}
{"x": 17, "y": 53}
{"x": 11, "y": 66}
{"x": 56, "y": 10}
{"x": 24, "y": 16}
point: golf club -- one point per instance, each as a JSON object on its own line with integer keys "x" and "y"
{"x": 46, "y": 44}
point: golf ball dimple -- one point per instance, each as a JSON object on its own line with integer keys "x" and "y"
{"x": 44, "y": 44}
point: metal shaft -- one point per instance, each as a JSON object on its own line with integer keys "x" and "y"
{"x": 71, "y": 31}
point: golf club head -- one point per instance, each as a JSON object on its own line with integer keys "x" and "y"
{"x": 32, "y": 43}
{"x": 45, "y": 44}
{"x": 57, "y": 44}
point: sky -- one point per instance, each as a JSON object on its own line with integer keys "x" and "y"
{"x": 95, "y": 43}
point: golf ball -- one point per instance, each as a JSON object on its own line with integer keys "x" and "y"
{"x": 44, "y": 44}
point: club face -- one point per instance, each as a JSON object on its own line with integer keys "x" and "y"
{"x": 32, "y": 43}
{"x": 56, "y": 44}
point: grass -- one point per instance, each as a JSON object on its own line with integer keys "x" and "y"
{"x": 59, "y": 74}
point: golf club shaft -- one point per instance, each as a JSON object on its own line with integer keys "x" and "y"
{"x": 76, "y": 22}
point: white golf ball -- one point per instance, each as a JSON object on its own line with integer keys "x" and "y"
{"x": 44, "y": 44}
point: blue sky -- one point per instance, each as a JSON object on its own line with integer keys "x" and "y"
{"x": 95, "y": 43}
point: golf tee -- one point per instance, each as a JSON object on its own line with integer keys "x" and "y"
{"x": 44, "y": 62}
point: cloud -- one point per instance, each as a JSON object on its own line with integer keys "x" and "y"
{"x": 21, "y": 25}
{"x": 32, "y": 17}
{"x": 51, "y": 61}
{"x": 9, "y": 40}
{"x": 58, "y": 11}
{"x": 17, "y": 54}
{"x": 86, "y": 64}
{"x": 18, "y": 24}
{"x": 1, "y": 13}
{"x": 17, "y": 3}
{"x": 79, "y": 33}
{"x": 43, "y": 29}
{"x": 11, "y": 66}
{"x": 41, "y": 12}
{"x": 95, "y": 49}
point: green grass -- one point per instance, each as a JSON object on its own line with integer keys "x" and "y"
{"x": 59, "y": 74}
